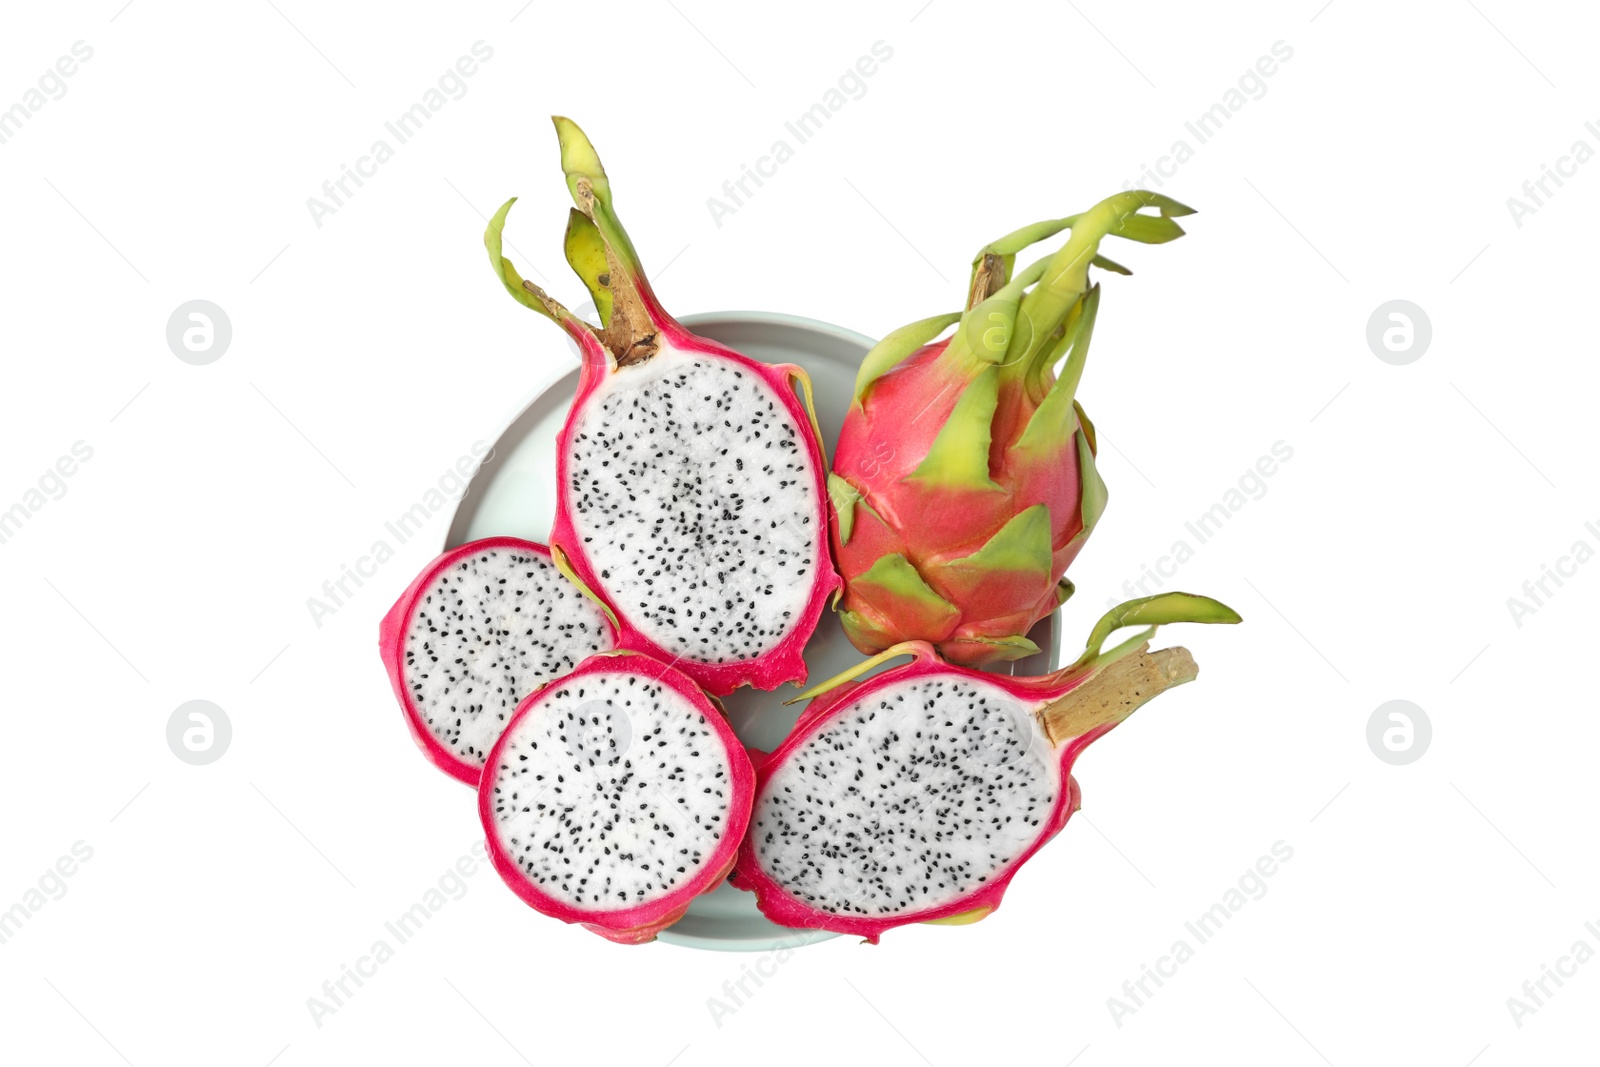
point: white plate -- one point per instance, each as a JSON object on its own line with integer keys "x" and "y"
{"x": 514, "y": 493}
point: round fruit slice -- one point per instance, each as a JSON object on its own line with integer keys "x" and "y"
{"x": 483, "y": 626}
{"x": 616, "y": 796}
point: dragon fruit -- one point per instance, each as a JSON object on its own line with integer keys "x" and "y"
{"x": 482, "y": 626}
{"x": 690, "y": 496}
{"x": 964, "y": 480}
{"x": 615, "y": 797}
{"x": 916, "y": 795}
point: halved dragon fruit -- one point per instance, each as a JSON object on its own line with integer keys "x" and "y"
{"x": 916, "y": 795}
{"x": 691, "y": 495}
{"x": 479, "y": 629}
{"x": 616, "y": 796}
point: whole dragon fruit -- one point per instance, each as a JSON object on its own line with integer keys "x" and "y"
{"x": 916, "y": 795}
{"x": 691, "y": 497}
{"x": 480, "y": 628}
{"x": 616, "y": 796}
{"x": 964, "y": 480}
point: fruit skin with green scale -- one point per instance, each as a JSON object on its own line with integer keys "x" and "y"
{"x": 964, "y": 480}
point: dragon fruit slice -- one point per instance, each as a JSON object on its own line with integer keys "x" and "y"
{"x": 916, "y": 795}
{"x": 977, "y": 430}
{"x": 483, "y": 626}
{"x": 691, "y": 497}
{"x": 615, "y": 797}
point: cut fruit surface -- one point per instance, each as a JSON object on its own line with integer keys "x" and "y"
{"x": 691, "y": 495}
{"x": 931, "y": 785}
{"x": 916, "y": 795}
{"x": 616, "y": 796}
{"x": 483, "y": 626}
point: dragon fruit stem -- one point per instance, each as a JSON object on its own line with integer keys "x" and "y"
{"x": 586, "y": 255}
{"x": 1115, "y": 692}
{"x": 523, "y": 291}
{"x": 591, "y": 189}
{"x": 987, "y": 333}
{"x": 1106, "y": 687}
{"x": 635, "y": 316}
{"x": 992, "y": 266}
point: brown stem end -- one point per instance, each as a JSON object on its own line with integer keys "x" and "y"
{"x": 1112, "y": 694}
{"x": 987, "y": 279}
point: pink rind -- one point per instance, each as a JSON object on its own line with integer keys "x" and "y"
{"x": 641, "y": 923}
{"x": 396, "y": 623}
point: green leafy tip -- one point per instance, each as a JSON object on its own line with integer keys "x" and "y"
{"x": 905, "y": 648}
{"x": 586, "y": 254}
{"x": 580, "y": 162}
{"x": 1151, "y": 612}
{"x": 1065, "y": 281}
{"x": 896, "y": 347}
{"x": 522, "y": 291}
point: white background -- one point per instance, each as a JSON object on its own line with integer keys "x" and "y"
{"x": 369, "y": 353}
